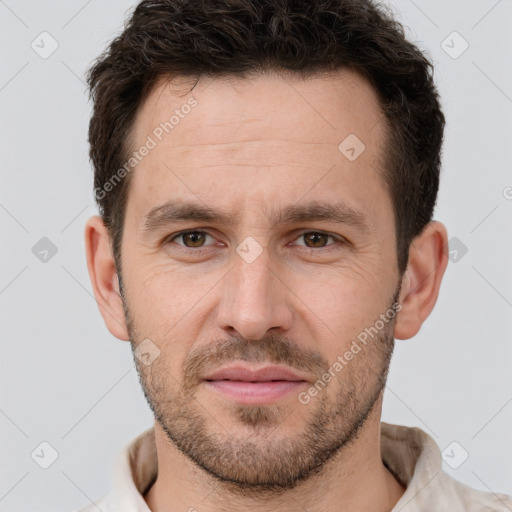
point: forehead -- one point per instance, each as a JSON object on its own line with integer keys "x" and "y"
{"x": 257, "y": 138}
{"x": 319, "y": 109}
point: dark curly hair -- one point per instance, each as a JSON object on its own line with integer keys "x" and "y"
{"x": 194, "y": 38}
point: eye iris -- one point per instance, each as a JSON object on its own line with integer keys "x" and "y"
{"x": 194, "y": 237}
{"x": 315, "y": 236}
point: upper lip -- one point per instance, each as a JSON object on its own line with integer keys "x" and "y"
{"x": 245, "y": 373}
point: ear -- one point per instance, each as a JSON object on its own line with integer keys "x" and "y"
{"x": 103, "y": 274}
{"x": 428, "y": 258}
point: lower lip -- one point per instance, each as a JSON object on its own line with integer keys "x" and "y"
{"x": 255, "y": 392}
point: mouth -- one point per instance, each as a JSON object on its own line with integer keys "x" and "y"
{"x": 256, "y": 386}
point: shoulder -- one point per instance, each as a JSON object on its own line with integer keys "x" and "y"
{"x": 473, "y": 500}
{"x": 415, "y": 460}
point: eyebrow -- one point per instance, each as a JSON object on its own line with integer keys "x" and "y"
{"x": 179, "y": 210}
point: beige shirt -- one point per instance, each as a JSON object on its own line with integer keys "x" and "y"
{"x": 409, "y": 453}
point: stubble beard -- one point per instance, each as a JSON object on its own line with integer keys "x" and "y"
{"x": 263, "y": 458}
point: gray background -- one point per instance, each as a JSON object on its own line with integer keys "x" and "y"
{"x": 65, "y": 380}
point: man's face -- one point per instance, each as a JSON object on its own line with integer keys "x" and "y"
{"x": 261, "y": 285}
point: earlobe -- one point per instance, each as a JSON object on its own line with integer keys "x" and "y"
{"x": 104, "y": 279}
{"x": 422, "y": 279}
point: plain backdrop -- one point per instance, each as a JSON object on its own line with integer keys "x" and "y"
{"x": 65, "y": 381}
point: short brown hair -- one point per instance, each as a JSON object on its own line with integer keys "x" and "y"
{"x": 194, "y": 38}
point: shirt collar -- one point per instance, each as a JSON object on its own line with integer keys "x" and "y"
{"x": 408, "y": 452}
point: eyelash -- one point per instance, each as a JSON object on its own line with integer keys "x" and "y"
{"x": 199, "y": 250}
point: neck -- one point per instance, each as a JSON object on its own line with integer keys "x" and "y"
{"x": 355, "y": 479}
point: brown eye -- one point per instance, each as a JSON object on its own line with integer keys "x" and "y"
{"x": 315, "y": 239}
{"x": 193, "y": 239}
{"x": 190, "y": 239}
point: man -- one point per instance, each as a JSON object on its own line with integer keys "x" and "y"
{"x": 266, "y": 174}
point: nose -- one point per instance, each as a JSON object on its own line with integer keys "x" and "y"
{"x": 254, "y": 299}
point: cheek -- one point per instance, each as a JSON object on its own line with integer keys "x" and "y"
{"x": 166, "y": 303}
{"x": 342, "y": 302}
{"x": 166, "y": 286}
{"x": 357, "y": 283}
{"x": 335, "y": 307}
{"x": 335, "y": 301}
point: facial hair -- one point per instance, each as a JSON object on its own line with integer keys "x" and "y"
{"x": 265, "y": 459}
